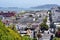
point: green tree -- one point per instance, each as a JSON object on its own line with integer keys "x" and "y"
{"x": 12, "y": 26}
{"x": 26, "y": 37}
{"x": 45, "y": 20}
{"x": 8, "y": 34}
{"x": 58, "y": 28}
{"x": 44, "y": 26}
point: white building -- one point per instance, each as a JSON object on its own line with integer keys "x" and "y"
{"x": 42, "y": 13}
{"x": 55, "y": 14}
{"x": 20, "y": 26}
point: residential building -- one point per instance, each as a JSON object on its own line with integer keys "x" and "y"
{"x": 55, "y": 14}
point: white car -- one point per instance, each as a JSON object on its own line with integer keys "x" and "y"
{"x": 23, "y": 32}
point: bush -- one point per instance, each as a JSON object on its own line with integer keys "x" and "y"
{"x": 30, "y": 16}
{"x": 56, "y": 38}
{"x": 8, "y": 34}
{"x": 39, "y": 35}
{"x": 26, "y": 37}
{"x": 13, "y": 27}
{"x": 58, "y": 28}
{"x": 58, "y": 33}
{"x": 43, "y": 26}
{"x": 45, "y": 20}
{"x": 34, "y": 38}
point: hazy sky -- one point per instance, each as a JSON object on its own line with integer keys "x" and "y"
{"x": 26, "y": 3}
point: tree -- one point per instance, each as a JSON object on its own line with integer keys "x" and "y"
{"x": 50, "y": 17}
{"x": 7, "y": 33}
{"x": 58, "y": 28}
{"x": 43, "y": 26}
{"x": 30, "y": 15}
{"x": 12, "y": 26}
{"x": 45, "y": 20}
{"x": 58, "y": 33}
{"x": 26, "y": 37}
{"x": 39, "y": 35}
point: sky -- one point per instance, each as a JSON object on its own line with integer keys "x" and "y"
{"x": 26, "y": 3}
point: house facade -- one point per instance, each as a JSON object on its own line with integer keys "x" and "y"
{"x": 55, "y": 14}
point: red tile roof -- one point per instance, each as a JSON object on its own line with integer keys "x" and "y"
{"x": 9, "y": 14}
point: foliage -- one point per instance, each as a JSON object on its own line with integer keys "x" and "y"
{"x": 8, "y": 34}
{"x": 13, "y": 27}
{"x": 39, "y": 35}
{"x": 45, "y": 20}
{"x": 50, "y": 17}
{"x": 34, "y": 38}
{"x": 26, "y": 37}
{"x": 30, "y": 16}
{"x": 44, "y": 26}
{"x": 56, "y": 38}
{"x": 58, "y": 33}
{"x": 58, "y": 28}
{"x": 21, "y": 13}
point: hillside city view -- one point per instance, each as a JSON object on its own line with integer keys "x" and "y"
{"x": 29, "y": 19}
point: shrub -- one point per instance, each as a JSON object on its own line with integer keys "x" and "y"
{"x": 58, "y": 33}
{"x": 39, "y": 35}
{"x": 55, "y": 38}
{"x": 8, "y": 34}
{"x": 34, "y": 38}
{"x": 58, "y": 28}
{"x": 26, "y": 37}
{"x": 45, "y": 20}
{"x": 43, "y": 26}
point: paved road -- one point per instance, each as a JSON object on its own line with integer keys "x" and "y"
{"x": 46, "y": 36}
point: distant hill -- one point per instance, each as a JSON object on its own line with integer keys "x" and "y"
{"x": 11, "y": 9}
{"x": 47, "y": 6}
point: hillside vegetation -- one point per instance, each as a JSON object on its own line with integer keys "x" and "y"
{"x": 8, "y": 34}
